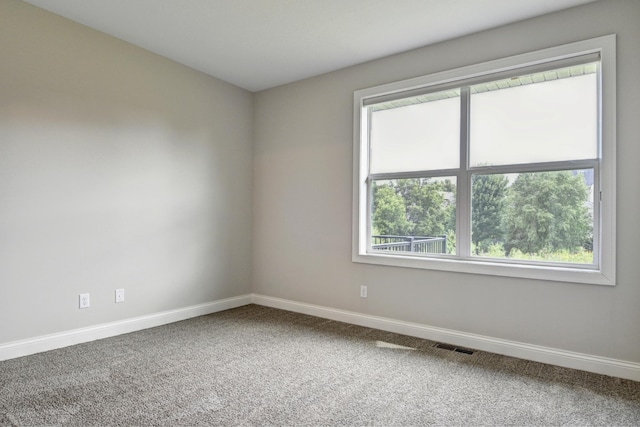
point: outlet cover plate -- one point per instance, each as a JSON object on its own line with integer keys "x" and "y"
{"x": 119, "y": 295}
{"x": 363, "y": 291}
{"x": 84, "y": 301}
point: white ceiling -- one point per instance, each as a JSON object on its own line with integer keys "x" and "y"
{"x": 259, "y": 44}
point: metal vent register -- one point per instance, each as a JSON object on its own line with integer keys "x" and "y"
{"x": 454, "y": 348}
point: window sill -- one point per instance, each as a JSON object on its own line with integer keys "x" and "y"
{"x": 522, "y": 271}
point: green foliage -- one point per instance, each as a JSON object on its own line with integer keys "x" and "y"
{"x": 546, "y": 212}
{"x": 425, "y": 206}
{"x": 488, "y": 205}
{"x": 541, "y": 216}
{"x": 580, "y": 256}
{"x": 451, "y": 241}
{"x": 389, "y": 211}
{"x": 412, "y": 207}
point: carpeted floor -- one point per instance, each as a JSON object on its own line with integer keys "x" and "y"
{"x": 261, "y": 366}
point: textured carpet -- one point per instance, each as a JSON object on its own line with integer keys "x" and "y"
{"x": 261, "y": 366}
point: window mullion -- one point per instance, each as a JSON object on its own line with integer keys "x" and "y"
{"x": 463, "y": 199}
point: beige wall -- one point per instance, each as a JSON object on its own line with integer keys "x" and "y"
{"x": 118, "y": 169}
{"x": 302, "y": 202}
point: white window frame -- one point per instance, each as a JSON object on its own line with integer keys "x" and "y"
{"x": 602, "y": 272}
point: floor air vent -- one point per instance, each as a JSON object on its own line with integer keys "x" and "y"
{"x": 453, "y": 348}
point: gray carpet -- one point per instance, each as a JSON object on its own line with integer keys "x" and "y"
{"x": 261, "y": 366}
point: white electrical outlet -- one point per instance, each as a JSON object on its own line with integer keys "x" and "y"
{"x": 363, "y": 291}
{"x": 85, "y": 301}
{"x": 119, "y": 295}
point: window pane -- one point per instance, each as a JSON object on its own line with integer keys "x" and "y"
{"x": 544, "y": 117}
{"x": 423, "y": 135}
{"x": 538, "y": 216}
{"x": 414, "y": 215}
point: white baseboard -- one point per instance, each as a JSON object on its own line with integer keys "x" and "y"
{"x": 567, "y": 359}
{"x": 585, "y": 362}
{"x": 77, "y": 336}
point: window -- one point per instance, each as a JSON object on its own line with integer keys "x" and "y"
{"x": 503, "y": 168}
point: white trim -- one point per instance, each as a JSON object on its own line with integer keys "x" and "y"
{"x": 486, "y": 267}
{"x": 514, "y": 62}
{"x": 567, "y": 359}
{"x": 602, "y": 272}
{"x": 77, "y": 336}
